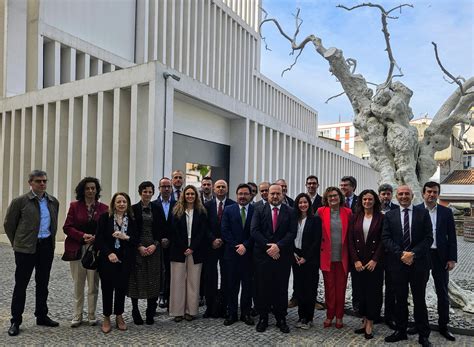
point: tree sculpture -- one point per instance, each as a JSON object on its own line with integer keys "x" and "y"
{"x": 382, "y": 116}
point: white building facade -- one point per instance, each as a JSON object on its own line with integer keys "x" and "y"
{"x": 128, "y": 90}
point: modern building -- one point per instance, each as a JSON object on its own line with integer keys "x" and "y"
{"x": 129, "y": 90}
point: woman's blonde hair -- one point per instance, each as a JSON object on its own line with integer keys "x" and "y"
{"x": 180, "y": 206}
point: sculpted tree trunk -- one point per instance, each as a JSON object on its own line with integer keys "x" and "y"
{"x": 382, "y": 117}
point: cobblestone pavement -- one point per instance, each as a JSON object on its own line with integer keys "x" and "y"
{"x": 200, "y": 332}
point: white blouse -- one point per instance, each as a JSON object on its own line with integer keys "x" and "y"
{"x": 189, "y": 224}
{"x": 299, "y": 233}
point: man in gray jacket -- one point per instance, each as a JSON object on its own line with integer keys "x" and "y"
{"x": 30, "y": 224}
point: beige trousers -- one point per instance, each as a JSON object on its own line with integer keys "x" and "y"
{"x": 79, "y": 277}
{"x": 184, "y": 288}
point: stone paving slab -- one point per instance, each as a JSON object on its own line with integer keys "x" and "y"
{"x": 201, "y": 332}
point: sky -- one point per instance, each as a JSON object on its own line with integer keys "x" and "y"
{"x": 358, "y": 34}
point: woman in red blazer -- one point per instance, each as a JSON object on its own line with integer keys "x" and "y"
{"x": 80, "y": 226}
{"x": 335, "y": 220}
{"x": 366, "y": 250}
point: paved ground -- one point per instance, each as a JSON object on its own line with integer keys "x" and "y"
{"x": 166, "y": 332}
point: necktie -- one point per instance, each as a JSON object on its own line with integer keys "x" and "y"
{"x": 219, "y": 211}
{"x": 178, "y": 193}
{"x": 406, "y": 231}
{"x": 242, "y": 215}
{"x": 348, "y": 205}
{"x": 275, "y": 218}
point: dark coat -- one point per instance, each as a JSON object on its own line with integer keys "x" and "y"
{"x": 214, "y": 231}
{"x": 261, "y": 230}
{"x": 446, "y": 242}
{"x": 178, "y": 237}
{"x": 370, "y": 249}
{"x": 311, "y": 242}
{"x": 421, "y": 238}
{"x": 167, "y": 223}
{"x": 317, "y": 203}
{"x": 234, "y": 233}
{"x": 158, "y": 228}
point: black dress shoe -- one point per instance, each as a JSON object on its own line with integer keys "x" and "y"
{"x": 46, "y": 321}
{"x": 284, "y": 328}
{"x": 368, "y": 336}
{"x": 137, "y": 318}
{"x": 396, "y": 336}
{"x": 230, "y": 320}
{"x": 360, "y": 331}
{"x": 253, "y": 312}
{"x": 163, "y": 303}
{"x": 247, "y": 319}
{"x": 447, "y": 334}
{"x": 14, "y": 329}
{"x": 412, "y": 331}
{"x": 391, "y": 324}
{"x": 149, "y": 320}
{"x": 424, "y": 341}
{"x": 262, "y": 325}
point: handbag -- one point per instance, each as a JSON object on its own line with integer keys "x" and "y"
{"x": 90, "y": 259}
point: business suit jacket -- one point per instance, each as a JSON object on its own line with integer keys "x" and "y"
{"x": 354, "y": 203}
{"x": 289, "y": 201}
{"x": 234, "y": 233}
{"x": 179, "y": 238}
{"x": 260, "y": 203}
{"x": 166, "y": 223}
{"x": 158, "y": 228}
{"x": 345, "y": 216}
{"x": 317, "y": 203}
{"x": 214, "y": 231}
{"x": 446, "y": 242}
{"x": 261, "y": 230}
{"x": 311, "y": 241}
{"x": 105, "y": 242}
{"x": 77, "y": 224}
{"x": 421, "y": 238}
{"x": 372, "y": 247}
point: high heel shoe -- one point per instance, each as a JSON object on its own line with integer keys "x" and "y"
{"x": 327, "y": 323}
{"x": 339, "y": 325}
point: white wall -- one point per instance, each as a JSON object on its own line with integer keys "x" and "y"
{"x": 92, "y": 21}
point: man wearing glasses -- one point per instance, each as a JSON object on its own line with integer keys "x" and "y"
{"x": 30, "y": 224}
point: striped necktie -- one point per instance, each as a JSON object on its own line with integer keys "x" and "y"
{"x": 406, "y": 231}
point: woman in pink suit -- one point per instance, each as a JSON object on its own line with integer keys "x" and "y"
{"x": 336, "y": 220}
{"x": 80, "y": 226}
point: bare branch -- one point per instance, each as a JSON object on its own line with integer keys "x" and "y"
{"x": 352, "y": 63}
{"x": 384, "y": 16}
{"x": 454, "y": 79}
{"x": 294, "y": 62}
{"x": 334, "y": 96}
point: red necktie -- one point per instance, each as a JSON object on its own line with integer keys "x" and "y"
{"x": 219, "y": 211}
{"x": 275, "y": 218}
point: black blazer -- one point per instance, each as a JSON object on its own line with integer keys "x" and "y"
{"x": 166, "y": 223}
{"x": 158, "y": 221}
{"x": 214, "y": 231}
{"x": 289, "y": 200}
{"x": 372, "y": 247}
{"x": 311, "y": 242}
{"x": 354, "y": 203}
{"x": 317, "y": 203}
{"x": 261, "y": 230}
{"x": 446, "y": 242}
{"x": 178, "y": 237}
{"x": 421, "y": 238}
{"x": 234, "y": 233}
{"x": 105, "y": 242}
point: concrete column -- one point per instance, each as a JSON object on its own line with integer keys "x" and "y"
{"x": 68, "y": 64}
{"x": 141, "y": 38}
{"x": 52, "y": 64}
{"x": 83, "y": 66}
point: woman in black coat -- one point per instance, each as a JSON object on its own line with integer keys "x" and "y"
{"x": 187, "y": 251}
{"x": 306, "y": 260}
{"x": 116, "y": 240}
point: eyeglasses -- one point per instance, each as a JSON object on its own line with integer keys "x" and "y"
{"x": 40, "y": 181}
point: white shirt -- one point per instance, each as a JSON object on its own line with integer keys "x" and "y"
{"x": 299, "y": 233}
{"x": 246, "y": 207}
{"x": 410, "y": 216}
{"x": 189, "y": 224}
{"x": 433, "y": 215}
{"x": 366, "y": 226}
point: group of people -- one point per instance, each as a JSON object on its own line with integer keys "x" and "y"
{"x": 170, "y": 252}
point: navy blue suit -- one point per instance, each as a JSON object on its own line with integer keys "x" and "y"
{"x": 389, "y": 307}
{"x": 446, "y": 250}
{"x": 272, "y": 275}
{"x": 415, "y": 275}
{"x": 238, "y": 267}
{"x": 214, "y": 256}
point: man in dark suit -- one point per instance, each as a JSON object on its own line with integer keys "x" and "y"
{"x": 165, "y": 204}
{"x": 253, "y": 191}
{"x": 407, "y": 235}
{"x": 348, "y": 186}
{"x": 286, "y": 199}
{"x": 385, "y": 196}
{"x": 443, "y": 253}
{"x": 273, "y": 229}
{"x": 312, "y": 185}
{"x": 177, "y": 179}
{"x": 215, "y": 210}
{"x": 206, "y": 189}
{"x": 237, "y": 255}
{"x": 263, "y": 189}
